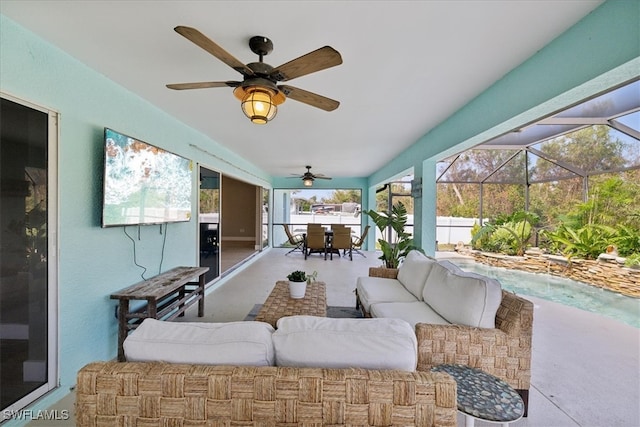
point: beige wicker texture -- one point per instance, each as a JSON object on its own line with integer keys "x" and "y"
{"x": 384, "y": 272}
{"x": 504, "y": 351}
{"x": 157, "y": 394}
{"x": 280, "y": 304}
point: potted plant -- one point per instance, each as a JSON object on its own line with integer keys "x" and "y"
{"x": 298, "y": 283}
{"x": 394, "y": 251}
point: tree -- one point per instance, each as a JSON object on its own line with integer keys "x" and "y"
{"x": 592, "y": 149}
{"x": 344, "y": 196}
{"x": 553, "y": 188}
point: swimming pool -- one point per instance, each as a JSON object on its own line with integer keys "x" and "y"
{"x": 564, "y": 291}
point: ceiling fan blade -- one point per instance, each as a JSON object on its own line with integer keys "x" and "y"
{"x": 309, "y": 98}
{"x": 321, "y": 59}
{"x": 202, "y": 85}
{"x": 321, "y": 177}
{"x": 210, "y": 46}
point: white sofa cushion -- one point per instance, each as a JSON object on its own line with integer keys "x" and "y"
{"x": 308, "y": 341}
{"x": 410, "y": 312}
{"x": 413, "y": 272}
{"x": 372, "y": 290}
{"x": 233, "y": 343}
{"x": 462, "y": 298}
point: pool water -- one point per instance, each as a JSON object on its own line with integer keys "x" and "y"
{"x": 564, "y": 291}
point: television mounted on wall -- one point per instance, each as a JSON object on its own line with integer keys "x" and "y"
{"x": 144, "y": 184}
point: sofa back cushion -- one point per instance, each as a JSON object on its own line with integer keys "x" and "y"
{"x": 233, "y": 343}
{"x": 413, "y": 272}
{"x": 462, "y": 298}
{"x": 308, "y": 341}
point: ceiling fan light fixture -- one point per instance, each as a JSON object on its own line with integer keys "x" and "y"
{"x": 259, "y": 104}
{"x": 258, "y": 91}
{"x": 307, "y": 181}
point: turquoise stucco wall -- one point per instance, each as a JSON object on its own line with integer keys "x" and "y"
{"x": 94, "y": 262}
{"x": 599, "y": 52}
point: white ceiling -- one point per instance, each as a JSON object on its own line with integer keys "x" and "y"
{"x": 408, "y": 65}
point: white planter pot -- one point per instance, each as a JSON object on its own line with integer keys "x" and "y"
{"x": 297, "y": 289}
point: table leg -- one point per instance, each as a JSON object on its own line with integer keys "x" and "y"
{"x": 201, "y": 296}
{"x": 181, "y": 295}
{"x": 123, "y": 310}
{"x": 152, "y": 308}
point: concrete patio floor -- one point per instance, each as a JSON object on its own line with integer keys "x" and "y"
{"x": 585, "y": 367}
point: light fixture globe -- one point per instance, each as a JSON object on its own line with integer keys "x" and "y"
{"x": 258, "y": 106}
{"x": 307, "y": 181}
{"x": 259, "y": 103}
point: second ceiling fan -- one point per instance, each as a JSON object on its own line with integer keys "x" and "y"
{"x": 259, "y": 90}
{"x": 308, "y": 177}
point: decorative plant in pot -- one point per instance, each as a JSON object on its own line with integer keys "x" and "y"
{"x": 298, "y": 281}
{"x": 394, "y": 251}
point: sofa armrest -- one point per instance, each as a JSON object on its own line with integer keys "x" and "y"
{"x": 504, "y": 351}
{"x": 117, "y": 393}
{"x": 384, "y": 272}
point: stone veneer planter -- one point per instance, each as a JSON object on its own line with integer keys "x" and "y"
{"x": 604, "y": 274}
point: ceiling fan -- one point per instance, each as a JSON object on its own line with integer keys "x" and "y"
{"x": 259, "y": 91}
{"x": 308, "y": 177}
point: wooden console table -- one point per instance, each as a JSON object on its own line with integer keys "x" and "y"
{"x": 167, "y": 296}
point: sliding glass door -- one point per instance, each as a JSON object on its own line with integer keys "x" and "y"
{"x": 209, "y": 222}
{"x": 28, "y": 283}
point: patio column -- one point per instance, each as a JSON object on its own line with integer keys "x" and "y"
{"x": 425, "y": 208}
{"x": 369, "y": 203}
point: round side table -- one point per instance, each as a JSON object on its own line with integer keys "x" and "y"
{"x": 484, "y": 397}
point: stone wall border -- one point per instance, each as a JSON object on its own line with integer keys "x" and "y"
{"x": 606, "y": 274}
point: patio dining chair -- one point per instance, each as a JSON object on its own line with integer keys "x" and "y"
{"x": 359, "y": 241}
{"x": 315, "y": 241}
{"x": 341, "y": 239}
{"x": 314, "y": 226}
{"x": 296, "y": 240}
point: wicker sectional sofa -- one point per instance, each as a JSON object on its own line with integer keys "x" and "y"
{"x": 310, "y": 371}
{"x": 162, "y": 394}
{"x": 502, "y": 349}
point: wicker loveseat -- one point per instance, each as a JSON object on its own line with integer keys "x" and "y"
{"x": 162, "y": 394}
{"x": 503, "y": 351}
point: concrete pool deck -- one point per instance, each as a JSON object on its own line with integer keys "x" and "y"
{"x": 585, "y": 367}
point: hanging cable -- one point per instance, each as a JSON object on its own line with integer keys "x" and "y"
{"x": 135, "y": 261}
{"x": 164, "y": 241}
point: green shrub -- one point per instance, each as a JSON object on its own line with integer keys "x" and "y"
{"x": 627, "y": 240}
{"x": 633, "y": 260}
{"x": 586, "y": 242}
{"x": 508, "y": 234}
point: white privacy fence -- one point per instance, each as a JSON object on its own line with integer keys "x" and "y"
{"x": 453, "y": 229}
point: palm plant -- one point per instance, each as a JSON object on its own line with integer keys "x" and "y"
{"x": 393, "y": 251}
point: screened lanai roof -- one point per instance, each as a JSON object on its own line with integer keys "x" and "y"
{"x": 542, "y": 151}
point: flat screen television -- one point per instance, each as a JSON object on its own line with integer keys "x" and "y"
{"x": 143, "y": 184}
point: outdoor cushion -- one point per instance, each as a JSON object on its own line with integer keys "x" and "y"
{"x": 308, "y": 341}
{"x": 411, "y": 312}
{"x": 413, "y": 272}
{"x": 377, "y": 289}
{"x": 233, "y": 343}
{"x": 462, "y": 298}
